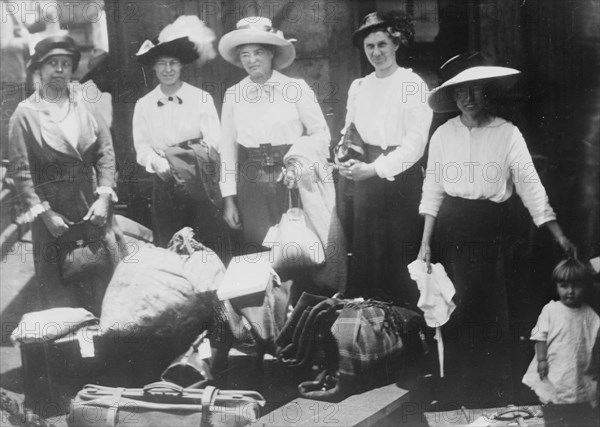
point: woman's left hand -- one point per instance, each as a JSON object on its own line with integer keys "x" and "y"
{"x": 357, "y": 170}
{"x": 289, "y": 176}
{"x": 98, "y": 212}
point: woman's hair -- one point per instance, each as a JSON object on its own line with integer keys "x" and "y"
{"x": 400, "y": 29}
{"x": 572, "y": 270}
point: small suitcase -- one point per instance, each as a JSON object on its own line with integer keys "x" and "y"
{"x": 54, "y": 371}
{"x": 163, "y": 404}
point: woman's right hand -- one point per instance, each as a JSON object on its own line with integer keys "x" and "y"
{"x": 56, "y": 223}
{"x": 425, "y": 255}
{"x": 161, "y": 167}
{"x": 231, "y": 213}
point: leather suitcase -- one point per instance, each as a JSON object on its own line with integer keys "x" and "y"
{"x": 163, "y": 404}
{"x": 54, "y": 371}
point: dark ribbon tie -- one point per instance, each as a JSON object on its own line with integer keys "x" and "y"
{"x": 163, "y": 101}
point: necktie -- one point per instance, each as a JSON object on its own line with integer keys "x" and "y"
{"x": 163, "y": 101}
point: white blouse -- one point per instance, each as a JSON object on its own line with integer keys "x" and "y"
{"x": 277, "y": 113}
{"x": 482, "y": 163}
{"x": 391, "y": 112}
{"x": 156, "y": 128}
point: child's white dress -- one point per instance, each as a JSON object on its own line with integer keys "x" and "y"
{"x": 570, "y": 334}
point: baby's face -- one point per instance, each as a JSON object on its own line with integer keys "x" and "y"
{"x": 570, "y": 293}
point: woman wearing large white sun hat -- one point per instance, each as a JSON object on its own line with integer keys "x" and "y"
{"x": 275, "y": 139}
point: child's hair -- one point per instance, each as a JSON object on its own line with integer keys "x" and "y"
{"x": 572, "y": 270}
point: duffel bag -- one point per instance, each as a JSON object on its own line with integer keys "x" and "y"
{"x": 163, "y": 404}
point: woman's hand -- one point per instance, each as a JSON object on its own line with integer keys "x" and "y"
{"x": 289, "y": 176}
{"x": 231, "y": 214}
{"x": 542, "y": 369}
{"x": 161, "y": 167}
{"x": 56, "y": 223}
{"x": 98, "y": 212}
{"x": 562, "y": 240}
{"x": 425, "y": 255}
{"x": 356, "y": 170}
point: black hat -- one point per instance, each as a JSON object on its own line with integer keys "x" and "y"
{"x": 54, "y": 45}
{"x": 187, "y": 39}
{"x": 97, "y": 64}
{"x": 396, "y": 20}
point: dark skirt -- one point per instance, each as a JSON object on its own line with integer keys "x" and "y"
{"x": 468, "y": 241}
{"x": 386, "y": 234}
{"x": 172, "y": 210}
{"x": 261, "y": 199}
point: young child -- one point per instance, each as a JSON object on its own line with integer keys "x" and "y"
{"x": 565, "y": 333}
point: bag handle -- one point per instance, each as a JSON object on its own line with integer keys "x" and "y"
{"x": 160, "y": 387}
{"x": 290, "y": 204}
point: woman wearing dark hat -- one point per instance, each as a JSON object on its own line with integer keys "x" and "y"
{"x": 171, "y": 114}
{"x": 269, "y": 122}
{"x": 389, "y": 109}
{"x": 476, "y": 162}
{"x": 65, "y": 162}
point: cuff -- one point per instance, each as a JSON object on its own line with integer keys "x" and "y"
{"x": 30, "y": 215}
{"x": 108, "y": 190}
{"x": 380, "y": 168}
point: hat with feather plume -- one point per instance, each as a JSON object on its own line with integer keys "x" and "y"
{"x": 188, "y": 39}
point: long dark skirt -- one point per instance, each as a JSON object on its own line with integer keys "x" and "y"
{"x": 386, "y": 234}
{"x": 171, "y": 211}
{"x": 468, "y": 241}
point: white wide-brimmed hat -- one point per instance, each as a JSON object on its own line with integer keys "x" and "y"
{"x": 257, "y": 30}
{"x": 441, "y": 99}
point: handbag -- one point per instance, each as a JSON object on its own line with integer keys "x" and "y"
{"x": 163, "y": 404}
{"x": 351, "y": 146}
{"x": 86, "y": 262}
{"x": 293, "y": 243}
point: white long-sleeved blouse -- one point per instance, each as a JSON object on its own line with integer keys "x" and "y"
{"x": 391, "y": 112}
{"x": 279, "y": 112}
{"x": 156, "y": 128}
{"x": 482, "y": 163}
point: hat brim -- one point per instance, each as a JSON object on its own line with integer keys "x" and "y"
{"x": 181, "y": 48}
{"x": 441, "y": 99}
{"x": 285, "y": 52}
{"x": 35, "y": 62}
{"x": 361, "y": 33}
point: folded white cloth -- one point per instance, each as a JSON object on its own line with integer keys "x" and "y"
{"x": 436, "y": 299}
{"x": 436, "y": 292}
{"x": 51, "y": 324}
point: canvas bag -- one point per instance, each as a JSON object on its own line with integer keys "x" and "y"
{"x": 163, "y": 404}
{"x": 293, "y": 243}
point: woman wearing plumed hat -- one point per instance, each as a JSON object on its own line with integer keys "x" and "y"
{"x": 271, "y": 121}
{"x": 65, "y": 172}
{"x": 476, "y": 162}
{"x": 172, "y": 114}
{"x": 389, "y": 111}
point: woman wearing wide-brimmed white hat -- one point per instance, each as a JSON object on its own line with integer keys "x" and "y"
{"x": 176, "y": 113}
{"x": 477, "y": 161}
{"x": 275, "y": 139}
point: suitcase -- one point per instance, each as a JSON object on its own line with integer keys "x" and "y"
{"x": 163, "y": 404}
{"x": 54, "y": 371}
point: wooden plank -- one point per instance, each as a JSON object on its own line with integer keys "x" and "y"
{"x": 365, "y": 409}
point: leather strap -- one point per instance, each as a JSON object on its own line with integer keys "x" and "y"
{"x": 112, "y": 412}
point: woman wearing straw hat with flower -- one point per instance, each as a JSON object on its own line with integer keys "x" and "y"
{"x": 64, "y": 157}
{"x": 172, "y": 114}
{"x": 389, "y": 110}
{"x": 476, "y": 162}
{"x": 275, "y": 139}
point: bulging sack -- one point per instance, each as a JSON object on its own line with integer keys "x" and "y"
{"x": 163, "y": 292}
{"x": 294, "y": 244}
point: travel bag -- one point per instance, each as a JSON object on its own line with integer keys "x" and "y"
{"x": 163, "y": 404}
